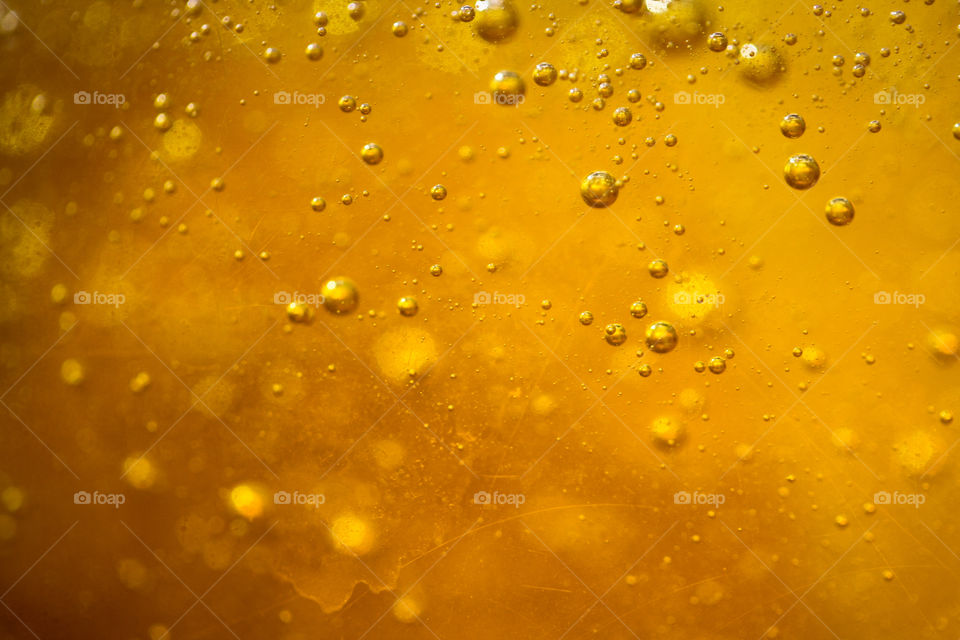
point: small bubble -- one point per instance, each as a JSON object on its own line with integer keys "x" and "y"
{"x": 839, "y": 212}
{"x": 496, "y": 20}
{"x": 507, "y": 86}
{"x": 340, "y": 295}
{"x": 575, "y": 95}
{"x": 645, "y": 370}
{"x": 790, "y": 39}
{"x": 638, "y": 61}
{"x": 162, "y": 122}
{"x": 407, "y": 306}
{"x": 544, "y": 74}
{"x": 661, "y": 337}
{"x": 622, "y": 116}
{"x": 717, "y": 365}
{"x": 71, "y": 371}
{"x": 371, "y": 153}
{"x": 438, "y": 192}
{"x": 399, "y": 29}
{"x": 318, "y": 204}
{"x": 801, "y": 171}
{"x": 638, "y": 309}
{"x": 699, "y": 366}
{"x": 759, "y": 63}
{"x": 356, "y": 10}
{"x": 436, "y": 270}
{"x": 670, "y": 140}
{"x": 717, "y": 41}
{"x": 299, "y": 312}
{"x": 658, "y": 268}
{"x": 615, "y": 334}
{"x": 586, "y": 318}
{"x": 320, "y": 19}
{"x": 162, "y": 101}
{"x": 347, "y": 104}
{"x": 272, "y": 55}
{"x": 793, "y": 125}
{"x": 313, "y": 51}
{"x": 897, "y": 17}
{"x": 466, "y": 13}
{"x": 874, "y": 126}
{"x": 599, "y": 189}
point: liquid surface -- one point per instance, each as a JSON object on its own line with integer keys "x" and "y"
{"x": 373, "y": 320}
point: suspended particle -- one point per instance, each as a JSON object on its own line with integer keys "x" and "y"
{"x": 371, "y": 153}
{"x": 801, "y": 171}
{"x": 839, "y": 212}
{"x": 666, "y": 431}
{"x": 599, "y": 189}
{"x": 661, "y": 337}
{"x": 793, "y": 125}
{"x": 615, "y": 334}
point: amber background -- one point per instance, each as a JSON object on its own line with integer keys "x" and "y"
{"x": 510, "y": 396}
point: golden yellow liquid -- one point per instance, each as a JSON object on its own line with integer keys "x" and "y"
{"x": 463, "y": 451}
